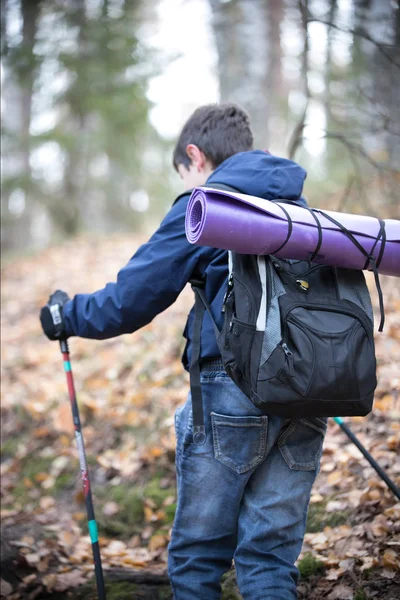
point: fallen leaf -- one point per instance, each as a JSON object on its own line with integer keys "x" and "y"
{"x": 393, "y": 442}
{"x": 5, "y": 587}
{"x": 58, "y": 465}
{"x": 380, "y": 526}
{"x": 156, "y": 451}
{"x": 390, "y": 559}
{"x": 389, "y": 573}
{"x": 149, "y": 515}
{"x": 110, "y": 508}
{"x": 115, "y": 547}
{"x": 341, "y": 592}
{"x": 28, "y": 540}
{"x": 42, "y": 432}
{"x": 66, "y": 538}
{"x": 157, "y": 541}
{"x": 384, "y": 403}
{"x": 315, "y": 498}
{"x": 32, "y": 558}
{"x": 336, "y": 505}
{"x": 334, "y": 574}
{"x": 79, "y": 516}
{"x": 62, "y": 419}
{"x": 46, "y": 502}
{"x": 327, "y": 467}
{"x": 334, "y": 477}
{"x": 67, "y": 580}
{"x": 49, "y": 581}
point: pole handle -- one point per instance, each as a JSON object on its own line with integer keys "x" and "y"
{"x": 64, "y": 346}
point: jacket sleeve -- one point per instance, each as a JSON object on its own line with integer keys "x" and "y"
{"x": 147, "y": 285}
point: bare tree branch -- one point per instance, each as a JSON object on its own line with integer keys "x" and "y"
{"x": 358, "y": 32}
{"x": 354, "y": 148}
{"x": 346, "y": 193}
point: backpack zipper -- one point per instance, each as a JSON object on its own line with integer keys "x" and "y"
{"x": 227, "y": 293}
{"x": 289, "y": 358}
{"x": 328, "y": 308}
{"x": 305, "y": 273}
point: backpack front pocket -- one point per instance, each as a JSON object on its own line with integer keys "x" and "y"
{"x": 331, "y": 353}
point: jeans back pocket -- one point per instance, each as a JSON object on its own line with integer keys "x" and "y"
{"x": 301, "y": 442}
{"x": 239, "y": 442}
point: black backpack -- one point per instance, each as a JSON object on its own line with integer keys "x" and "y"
{"x": 297, "y": 338}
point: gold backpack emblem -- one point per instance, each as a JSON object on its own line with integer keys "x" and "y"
{"x": 303, "y": 284}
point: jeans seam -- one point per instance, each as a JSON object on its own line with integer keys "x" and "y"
{"x": 211, "y": 376}
{"x": 321, "y": 429}
{"x": 177, "y": 423}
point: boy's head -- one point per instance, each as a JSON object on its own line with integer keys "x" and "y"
{"x": 211, "y": 135}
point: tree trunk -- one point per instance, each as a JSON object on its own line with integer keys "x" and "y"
{"x": 241, "y": 33}
{"x": 277, "y": 89}
{"x": 19, "y": 76}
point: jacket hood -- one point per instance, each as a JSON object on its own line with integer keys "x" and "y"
{"x": 261, "y": 174}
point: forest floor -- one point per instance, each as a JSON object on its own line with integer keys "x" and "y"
{"x": 128, "y": 389}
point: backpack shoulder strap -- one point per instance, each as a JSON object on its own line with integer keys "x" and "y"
{"x": 224, "y": 186}
{"x": 187, "y": 193}
{"x": 215, "y": 186}
{"x": 199, "y": 432}
{"x": 201, "y": 305}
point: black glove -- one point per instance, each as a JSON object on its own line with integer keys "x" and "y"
{"x": 51, "y": 316}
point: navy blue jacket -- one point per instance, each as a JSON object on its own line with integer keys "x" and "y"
{"x": 160, "y": 269}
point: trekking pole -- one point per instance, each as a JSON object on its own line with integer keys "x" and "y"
{"x": 391, "y": 485}
{"x": 85, "y": 473}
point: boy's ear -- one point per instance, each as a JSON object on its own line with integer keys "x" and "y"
{"x": 197, "y": 157}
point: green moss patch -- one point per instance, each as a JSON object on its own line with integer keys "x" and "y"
{"x": 131, "y": 499}
{"x": 318, "y": 518}
{"x": 309, "y": 565}
{"x": 230, "y": 589}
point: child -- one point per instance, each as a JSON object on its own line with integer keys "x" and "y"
{"x": 244, "y": 493}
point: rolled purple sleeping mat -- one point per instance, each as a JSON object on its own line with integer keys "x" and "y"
{"x": 251, "y": 225}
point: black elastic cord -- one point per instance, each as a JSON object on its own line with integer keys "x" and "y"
{"x": 319, "y": 227}
{"x": 349, "y": 235}
{"x": 382, "y": 238}
{"x": 375, "y": 265}
{"x": 371, "y": 260}
{"x": 383, "y": 244}
{"x": 290, "y": 229}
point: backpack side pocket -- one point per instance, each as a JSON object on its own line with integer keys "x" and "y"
{"x": 241, "y": 340}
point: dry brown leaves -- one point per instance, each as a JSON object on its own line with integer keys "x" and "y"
{"x": 137, "y": 382}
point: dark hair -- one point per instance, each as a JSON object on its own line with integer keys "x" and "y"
{"x": 218, "y": 130}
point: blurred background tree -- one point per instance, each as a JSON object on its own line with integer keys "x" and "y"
{"x": 94, "y": 93}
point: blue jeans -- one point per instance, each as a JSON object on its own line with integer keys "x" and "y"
{"x": 243, "y": 495}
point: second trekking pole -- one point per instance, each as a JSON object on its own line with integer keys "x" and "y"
{"x": 85, "y": 473}
{"x": 391, "y": 485}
